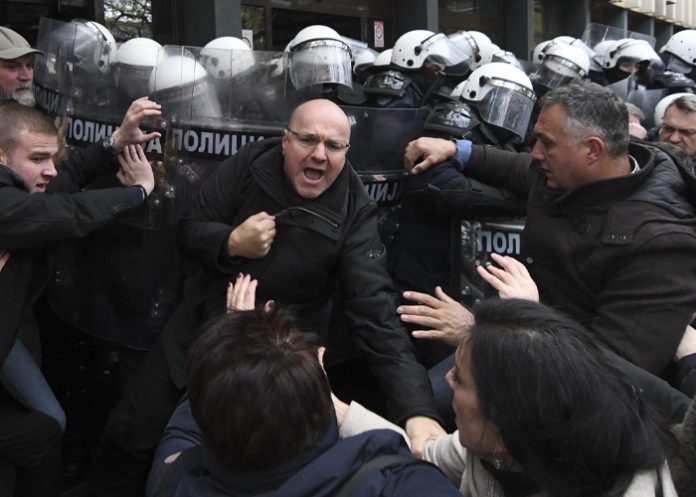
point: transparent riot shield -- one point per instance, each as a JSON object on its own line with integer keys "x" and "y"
{"x": 129, "y": 274}
{"x": 52, "y": 73}
{"x": 378, "y": 139}
{"x": 73, "y": 74}
{"x": 646, "y": 100}
{"x": 120, "y": 282}
{"x": 596, "y": 33}
{"x": 132, "y": 67}
{"x": 244, "y": 81}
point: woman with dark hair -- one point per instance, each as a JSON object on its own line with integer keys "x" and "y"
{"x": 540, "y": 409}
{"x": 259, "y": 421}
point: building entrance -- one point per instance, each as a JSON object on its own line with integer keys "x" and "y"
{"x": 286, "y": 23}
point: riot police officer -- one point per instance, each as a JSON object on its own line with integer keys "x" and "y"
{"x": 494, "y": 107}
{"x": 422, "y": 62}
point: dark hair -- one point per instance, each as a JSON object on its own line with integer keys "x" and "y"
{"x": 15, "y": 118}
{"x": 572, "y": 420}
{"x": 257, "y": 389}
{"x": 592, "y": 110}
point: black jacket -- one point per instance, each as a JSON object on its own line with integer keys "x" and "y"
{"x": 322, "y": 245}
{"x": 615, "y": 254}
{"x": 31, "y": 223}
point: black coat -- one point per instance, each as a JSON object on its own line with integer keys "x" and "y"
{"x": 30, "y": 224}
{"x": 322, "y": 245}
{"x": 618, "y": 255}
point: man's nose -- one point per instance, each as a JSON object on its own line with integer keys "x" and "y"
{"x": 50, "y": 170}
{"x": 536, "y": 151}
{"x": 26, "y": 73}
{"x": 675, "y": 137}
{"x": 319, "y": 152}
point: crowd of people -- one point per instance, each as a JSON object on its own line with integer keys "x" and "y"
{"x": 576, "y": 378}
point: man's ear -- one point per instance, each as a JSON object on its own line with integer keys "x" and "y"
{"x": 284, "y": 141}
{"x": 3, "y": 157}
{"x": 595, "y": 148}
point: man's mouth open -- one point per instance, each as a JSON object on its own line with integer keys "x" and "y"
{"x": 312, "y": 174}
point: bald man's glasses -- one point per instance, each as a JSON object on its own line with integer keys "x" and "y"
{"x": 310, "y": 142}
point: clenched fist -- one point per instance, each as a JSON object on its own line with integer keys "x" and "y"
{"x": 253, "y": 238}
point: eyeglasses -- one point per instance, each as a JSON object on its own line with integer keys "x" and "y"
{"x": 685, "y": 132}
{"x": 310, "y": 141}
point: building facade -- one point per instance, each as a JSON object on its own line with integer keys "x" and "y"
{"x": 516, "y": 25}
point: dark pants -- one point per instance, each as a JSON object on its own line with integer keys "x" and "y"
{"x": 30, "y": 447}
{"x": 134, "y": 429}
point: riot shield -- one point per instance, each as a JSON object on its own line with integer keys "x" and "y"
{"x": 132, "y": 67}
{"x": 478, "y": 239}
{"x": 378, "y": 139}
{"x": 123, "y": 282}
{"x": 120, "y": 282}
{"x": 646, "y": 100}
{"x": 73, "y": 74}
{"x": 179, "y": 77}
{"x": 249, "y": 85}
{"x": 52, "y": 73}
{"x": 596, "y": 33}
{"x": 202, "y": 131}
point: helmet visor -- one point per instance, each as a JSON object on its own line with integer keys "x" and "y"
{"x": 508, "y": 105}
{"x": 320, "y": 61}
{"x": 507, "y": 58}
{"x": 556, "y": 71}
{"x": 674, "y": 63}
{"x": 440, "y": 50}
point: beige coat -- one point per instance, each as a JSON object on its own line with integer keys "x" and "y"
{"x": 466, "y": 470}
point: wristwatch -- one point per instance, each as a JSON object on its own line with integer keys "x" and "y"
{"x": 108, "y": 143}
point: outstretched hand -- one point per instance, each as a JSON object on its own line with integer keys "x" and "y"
{"x": 129, "y": 133}
{"x": 135, "y": 168}
{"x": 511, "y": 280}
{"x": 241, "y": 295}
{"x": 442, "y": 317}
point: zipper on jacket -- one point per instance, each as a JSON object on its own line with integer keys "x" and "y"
{"x": 287, "y": 211}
